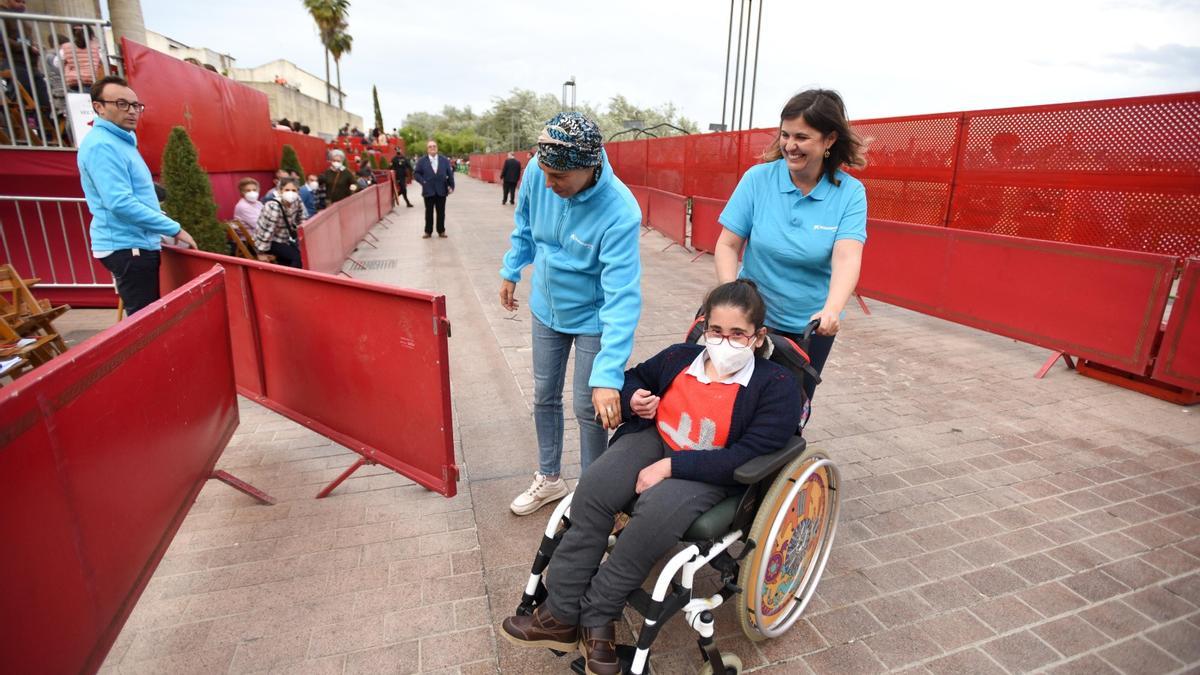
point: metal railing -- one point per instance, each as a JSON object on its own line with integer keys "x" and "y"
{"x": 47, "y": 238}
{"x": 40, "y": 67}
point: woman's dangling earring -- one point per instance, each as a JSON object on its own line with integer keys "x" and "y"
{"x": 826, "y": 154}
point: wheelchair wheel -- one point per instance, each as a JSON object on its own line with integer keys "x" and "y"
{"x": 793, "y": 532}
{"x": 733, "y": 665}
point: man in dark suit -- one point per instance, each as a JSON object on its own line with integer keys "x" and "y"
{"x": 436, "y": 177}
{"x": 510, "y": 173}
{"x": 401, "y": 168}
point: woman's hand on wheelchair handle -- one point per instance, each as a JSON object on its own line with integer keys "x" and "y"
{"x": 607, "y": 404}
{"x": 830, "y": 322}
{"x": 653, "y": 474}
{"x": 644, "y": 404}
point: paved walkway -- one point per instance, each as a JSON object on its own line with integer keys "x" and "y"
{"x": 992, "y": 522}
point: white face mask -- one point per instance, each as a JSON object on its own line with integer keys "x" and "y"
{"x": 251, "y": 196}
{"x": 728, "y": 359}
{"x": 337, "y": 166}
{"x": 290, "y": 197}
{"x": 312, "y": 185}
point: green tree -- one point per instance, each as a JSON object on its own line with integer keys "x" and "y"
{"x": 290, "y": 162}
{"x": 189, "y": 193}
{"x": 328, "y": 15}
{"x": 378, "y": 114}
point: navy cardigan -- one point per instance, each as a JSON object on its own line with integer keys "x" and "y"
{"x": 766, "y": 413}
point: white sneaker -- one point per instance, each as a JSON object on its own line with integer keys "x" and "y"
{"x": 541, "y": 492}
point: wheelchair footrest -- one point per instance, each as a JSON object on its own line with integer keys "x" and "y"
{"x": 624, "y": 653}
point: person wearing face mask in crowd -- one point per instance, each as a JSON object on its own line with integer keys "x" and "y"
{"x": 808, "y": 218}
{"x": 339, "y": 181}
{"x": 278, "y": 223}
{"x": 279, "y": 176}
{"x": 248, "y": 208}
{"x": 308, "y": 195}
{"x": 579, "y": 226}
{"x": 695, "y": 414}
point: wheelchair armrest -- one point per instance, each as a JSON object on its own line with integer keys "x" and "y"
{"x": 764, "y": 465}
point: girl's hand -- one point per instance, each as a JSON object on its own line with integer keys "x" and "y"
{"x": 644, "y": 404}
{"x": 653, "y": 474}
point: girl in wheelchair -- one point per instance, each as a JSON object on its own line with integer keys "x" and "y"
{"x": 695, "y": 413}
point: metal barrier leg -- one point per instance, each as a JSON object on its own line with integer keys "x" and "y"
{"x": 356, "y": 264}
{"x": 242, "y": 486}
{"x": 1050, "y": 362}
{"x": 362, "y": 461}
{"x": 699, "y": 255}
{"x": 862, "y": 304}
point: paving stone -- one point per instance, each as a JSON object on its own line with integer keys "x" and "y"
{"x": 1139, "y": 656}
{"x": 955, "y": 629}
{"x": 1021, "y": 652}
{"x": 1051, "y": 599}
{"x": 1159, "y": 604}
{"x": 1084, "y": 665}
{"x": 848, "y": 659}
{"x": 995, "y": 581}
{"x": 971, "y": 661}
{"x": 1038, "y": 568}
{"x": 1180, "y": 639}
{"x": 898, "y": 609}
{"x": 1005, "y": 614}
{"x": 843, "y": 625}
{"x": 901, "y": 646}
{"x": 1070, "y": 635}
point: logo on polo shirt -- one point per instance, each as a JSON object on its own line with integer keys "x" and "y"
{"x": 825, "y": 228}
{"x": 579, "y": 241}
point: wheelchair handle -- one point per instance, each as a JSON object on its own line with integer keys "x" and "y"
{"x": 812, "y": 326}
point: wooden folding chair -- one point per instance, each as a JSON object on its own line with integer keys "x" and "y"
{"x": 241, "y": 236}
{"x": 25, "y": 314}
{"x": 13, "y": 110}
{"x": 38, "y": 352}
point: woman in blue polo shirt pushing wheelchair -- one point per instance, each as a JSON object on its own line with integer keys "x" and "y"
{"x": 803, "y": 222}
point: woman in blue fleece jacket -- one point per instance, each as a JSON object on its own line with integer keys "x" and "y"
{"x": 696, "y": 414}
{"x": 579, "y": 227}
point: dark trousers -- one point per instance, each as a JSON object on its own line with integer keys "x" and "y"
{"x": 286, "y": 254}
{"x": 439, "y": 204}
{"x": 510, "y": 193}
{"x": 404, "y": 192}
{"x": 818, "y": 351}
{"x": 586, "y": 593}
{"x": 136, "y": 277}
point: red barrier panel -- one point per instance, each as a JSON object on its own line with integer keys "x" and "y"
{"x": 632, "y": 167}
{"x": 104, "y": 450}
{"x": 665, "y": 168}
{"x": 1122, "y": 173}
{"x": 711, "y": 165}
{"x": 667, "y": 213}
{"x": 642, "y": 195}
{"x": 310, "y": 150}
{"x": 330, "y": 236}
{"x": 228, "y": 122}
{"x": 705, "y": 226}
{"x": 751, "y": 145}
{"x": 1178, "y": 361}
{"x": 364, "y": 364}
{"x": 910, "y": 166}
{"x": 1095, "y": 303}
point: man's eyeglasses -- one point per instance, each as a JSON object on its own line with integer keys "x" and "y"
{"x": 124, "y": 105}
{"x": 737, "y": 340}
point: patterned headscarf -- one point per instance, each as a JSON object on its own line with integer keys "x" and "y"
{"x": 570, "y": 141}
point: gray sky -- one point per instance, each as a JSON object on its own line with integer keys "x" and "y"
{"x": 887, "y": 58}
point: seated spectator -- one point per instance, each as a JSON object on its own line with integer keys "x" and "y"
{"x": 248, "y": 208}
{"x": 283, "y": 125}
{"x": 278, "y": 221}
{"x": 304, "y": 129}
{"x": 366, "y": 175}
{"x": 279, "y": 176}
{"x": 82, "y": 63}
{"x": 345, "y": 130}
{"x": 308, "y": 195}
{"x": 296, "y": 126}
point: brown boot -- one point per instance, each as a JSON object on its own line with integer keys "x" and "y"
{"x": 599, "y": 647}
{"x": 541, "y": 629}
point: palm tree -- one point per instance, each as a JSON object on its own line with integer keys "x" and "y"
{"x": 339, "y": 45}
{"x": 330, "y": 17}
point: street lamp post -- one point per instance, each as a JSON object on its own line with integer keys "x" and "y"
{"x": 569, "y": 83}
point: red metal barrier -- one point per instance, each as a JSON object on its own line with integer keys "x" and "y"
{"x": 1178, "y": 361}
{"x": 1122, "y": 173}
{"x": 667, "y": 213}
{"x": 310, "y": 150}
{"x": 711, "y": 165}
{"x": 751, "y": 145}
{"x": 665, "y": 166}
{"x": 705, "y": 226}
{"x": 910, "y": 166}
{"x": 1095, "y": 303}
{"x": 328, "y": 238}
{"x": 364, "y": 364}
{"x": 632, "y": 167}
{"x": 104, "y": 451}
{"x": 642, "y": 195}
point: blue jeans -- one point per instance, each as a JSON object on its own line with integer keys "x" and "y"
{"x": 550, "y": 351}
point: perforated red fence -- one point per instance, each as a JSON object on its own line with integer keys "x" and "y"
{"x": 667, "y": 213}
{"x": 665, "y": 164}
{"x": 711, "y": 165}
{"x": 705, "y": 225}
{"x": 104, "y": 450}
{"x": 911, "y": 167}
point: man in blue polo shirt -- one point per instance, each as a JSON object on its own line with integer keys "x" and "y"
{"x": 127, "y": 220}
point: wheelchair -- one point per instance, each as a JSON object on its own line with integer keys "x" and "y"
{"x": 786, "y": 521}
